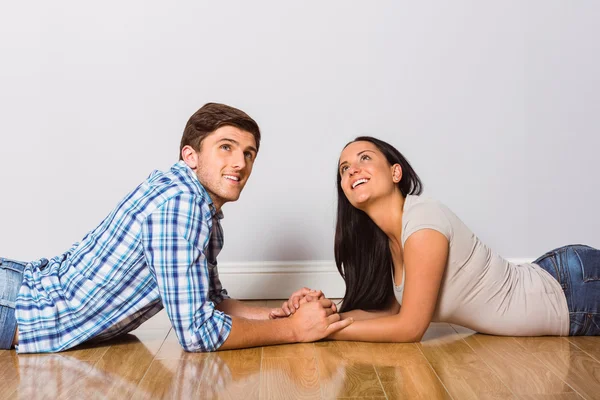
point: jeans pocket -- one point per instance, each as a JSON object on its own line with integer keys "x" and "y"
{"x": 590, "y": 263}
{"x": 544, "y": 257}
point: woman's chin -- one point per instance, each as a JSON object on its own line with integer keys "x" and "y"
{"x": 360, "y": 201}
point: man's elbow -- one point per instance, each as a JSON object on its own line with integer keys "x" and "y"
{"x": 200, "y": 347}
{"x": 204, "y": 341}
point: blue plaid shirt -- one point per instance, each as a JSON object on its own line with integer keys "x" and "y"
{"x": 158, "y": 248}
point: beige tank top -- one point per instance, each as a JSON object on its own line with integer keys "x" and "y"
{"x": 482, "y": 291}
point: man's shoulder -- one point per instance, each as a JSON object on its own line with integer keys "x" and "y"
{"x": 176, "y": 180}
{"x": 162, "y": 187}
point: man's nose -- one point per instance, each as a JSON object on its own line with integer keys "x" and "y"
{"x": 239, "y": 160}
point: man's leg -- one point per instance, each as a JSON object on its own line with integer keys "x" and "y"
{"x": 11, "y": 278}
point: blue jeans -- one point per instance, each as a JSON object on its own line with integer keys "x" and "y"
{"x": 11, "y": 277}
{"x": 577, "y": 269}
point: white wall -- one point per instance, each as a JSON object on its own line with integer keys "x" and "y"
{"x": 496, "y": 104}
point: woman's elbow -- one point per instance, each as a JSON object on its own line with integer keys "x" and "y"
{"x": 410, "y": 335}
{"x": 419, "y": 331}
{"x": 417, "y": 337}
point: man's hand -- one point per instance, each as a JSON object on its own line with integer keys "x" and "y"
{"x": 300, "y": 296}
{"x": 314, "y": 320}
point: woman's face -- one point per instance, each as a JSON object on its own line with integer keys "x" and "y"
{"x": 366, "y": 174}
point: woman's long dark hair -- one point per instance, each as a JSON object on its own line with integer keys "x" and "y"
{"x": 362, "y": 252}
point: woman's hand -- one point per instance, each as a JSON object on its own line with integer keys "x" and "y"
{"x": 300, "y": 296}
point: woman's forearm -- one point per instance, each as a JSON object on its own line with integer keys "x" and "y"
{"x": 361, "y": 315}
{"x": 388, "y": 329}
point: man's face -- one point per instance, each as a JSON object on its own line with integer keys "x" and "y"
{"x": 224, "y": 163}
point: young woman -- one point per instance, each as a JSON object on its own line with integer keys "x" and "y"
{"x": 408, "y": 260}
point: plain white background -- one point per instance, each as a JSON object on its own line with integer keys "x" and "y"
{"x": 496, "y": 105}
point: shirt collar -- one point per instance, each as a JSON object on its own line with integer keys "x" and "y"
{"x": 181, "y": 165}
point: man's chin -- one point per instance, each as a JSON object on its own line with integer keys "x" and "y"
{"x": 229, "y": 197}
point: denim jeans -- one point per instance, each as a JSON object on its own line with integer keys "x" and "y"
{"x": 577, "y": 269}
{"x": 11, "y": 277}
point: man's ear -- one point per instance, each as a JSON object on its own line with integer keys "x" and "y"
{"x": 190, "y": 156}
{"x": 396, "y": 173}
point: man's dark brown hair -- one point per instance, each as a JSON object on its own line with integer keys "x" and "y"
{"x": 211, "y": 117}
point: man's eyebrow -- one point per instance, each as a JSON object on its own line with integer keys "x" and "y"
{"x": 251, "y": 148}
{"x": 358, "y": 154}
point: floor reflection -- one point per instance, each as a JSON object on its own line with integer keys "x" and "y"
{"x": 352, "y": 369}
{"x": 448, "y": 360}
{"x": 57, "y": 376}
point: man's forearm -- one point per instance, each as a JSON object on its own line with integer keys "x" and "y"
{"x": 312, "y": 321}
{"x": 237, "y": 308}
{"x": 251, "y": 333}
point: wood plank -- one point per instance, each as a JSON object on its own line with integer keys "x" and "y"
{"x": 568, "y": 361}
{"x": 417, "y": 381}
{"x": 546, "y": 344}
{"x": 6, "y": 353}
{"x": 290, "y": 372}
{"x": 451, "y": 360}
{"x": 9, "y": 373}
{"x": 464, "y": 374}
{"x": 577, "y": 368}
{"x": 586, "y": 343}
{"x": 118, "y": 372}
{"x": 589, "y": 344}
{"x": 59, "y": 376}
{"x": 401, "y": 368}
{"x": 519, "y": 370}
{"x": 228, "y": 375}
{"x": 561, "y": 396}
{"x": 88, "y": 352}
{"x": 171, "y": 349}
{"x": 289, "y": 378}
{"x": 244, "y": 368}
{"x": 346, "y": 369}
{"x": 363, "y": 398}
{"x": 297, "y": 350}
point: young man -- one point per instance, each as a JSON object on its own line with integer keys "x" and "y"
{"x": 158, "y": 248}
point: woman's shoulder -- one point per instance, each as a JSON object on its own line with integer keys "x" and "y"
{"x": 422, "y": 212}
{"x": 413, "y": 203}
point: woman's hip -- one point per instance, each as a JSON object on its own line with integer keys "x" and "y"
{"x": 577, "y": 270}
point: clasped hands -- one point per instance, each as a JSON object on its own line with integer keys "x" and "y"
{"x": 312, "y": 316}
{"x": 299, "y": 297}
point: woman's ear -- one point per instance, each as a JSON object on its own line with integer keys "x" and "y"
{"x": 396, "y": 173}
{"x": 190, "y": 156}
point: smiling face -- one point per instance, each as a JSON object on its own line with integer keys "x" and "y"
{"x": 366, "y": 174}
{"x": 224, "y": 163}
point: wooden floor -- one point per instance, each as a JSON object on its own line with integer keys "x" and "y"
{"x": 450, "y": 363}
